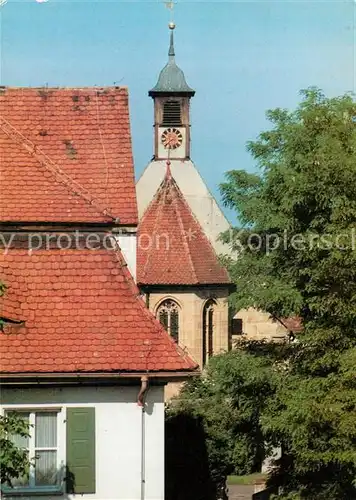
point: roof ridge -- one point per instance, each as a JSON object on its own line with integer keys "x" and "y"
{"x": 59, "y": 87}
{"x": 137, "y": 295}
{"x": 185, "y": 242}
{"x": 59, "y": 175}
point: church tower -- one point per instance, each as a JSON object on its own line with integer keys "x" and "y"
{"x": 172, "y": 141}
{"x": 180, "y": 222}
{"x": 185, "y": 285}
{"x": 178, "y": 268}
{"x": 171, "y": 96}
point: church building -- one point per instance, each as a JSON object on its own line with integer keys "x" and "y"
{"x": 81, "y": 358}
{"x": 172, "y": 140}
{"x": 178, "y": 267}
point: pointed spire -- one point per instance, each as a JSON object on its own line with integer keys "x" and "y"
{"x": 171, "y": 79}
{"x": 171, "y": 52}
{"x": 168, "y": 170}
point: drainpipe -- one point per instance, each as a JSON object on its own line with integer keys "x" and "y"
{"x": 141, "y": 402}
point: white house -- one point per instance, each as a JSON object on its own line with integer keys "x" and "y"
{"x": 81, "y": 357}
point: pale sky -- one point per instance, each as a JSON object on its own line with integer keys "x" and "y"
{"x": 241, "y": 58}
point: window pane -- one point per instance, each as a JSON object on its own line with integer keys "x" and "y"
{"x": 46, "y": 468}
{"x": 175, "y": 325}
{"x": 21, "y": 481}
{"x": 46, "y": 430}
{"x": 163, "y": 317}
{"x": 19, "y": 441}
{"x": 211, "y": 331}
{"x": 208, "y": 330}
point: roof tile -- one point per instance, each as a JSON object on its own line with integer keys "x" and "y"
{"x": 90, "y": 331}
{"x": 172, "y": 247}
{"x": 85, "y": 134}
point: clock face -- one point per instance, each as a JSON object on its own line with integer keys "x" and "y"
{"x": 171, "y": 138}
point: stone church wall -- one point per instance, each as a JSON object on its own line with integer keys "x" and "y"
{"x": 258, "y": 325}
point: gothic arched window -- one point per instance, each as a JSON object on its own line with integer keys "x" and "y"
{"x": 168, "y": 315}
{"x": 208, "y": 330}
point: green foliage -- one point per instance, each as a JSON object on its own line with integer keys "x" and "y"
{"x": 297, "y": 255}
{"x": 248, "y": 479}
{"x": 229, "y": 400}
{"x": 14, "y": 461}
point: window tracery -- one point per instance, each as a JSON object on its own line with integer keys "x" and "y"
{"x": 168, "y": 315}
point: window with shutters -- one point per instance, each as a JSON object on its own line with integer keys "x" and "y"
{"x": 45, "y": 473}
{"x": 168, "y": 315}
{"x": 80, "y": 450}
{"x": 208, "y": 330}
{"x": 171, "y": 113}
{"x": 56, "y": 465}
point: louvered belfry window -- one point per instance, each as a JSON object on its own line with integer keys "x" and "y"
{"x": 171, "y": 113}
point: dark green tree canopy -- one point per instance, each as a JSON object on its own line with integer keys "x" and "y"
{"x": 297, "y": 255}
{"x": 303, "y": 203}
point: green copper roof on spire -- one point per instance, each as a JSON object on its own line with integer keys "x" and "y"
{"x": 171, "y": 78}
{"x": 171, "y": 52}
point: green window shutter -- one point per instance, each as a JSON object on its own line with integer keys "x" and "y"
{"x": 80, "y": 475}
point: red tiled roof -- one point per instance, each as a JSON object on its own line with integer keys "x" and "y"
{"x": 293, "y": 324}
{"x": 66, "y": 156}
{"x": 172, "y": 247}
{"x": 81, "y": 313}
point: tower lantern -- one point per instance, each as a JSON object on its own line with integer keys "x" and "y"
{"x": 171, "y": 96}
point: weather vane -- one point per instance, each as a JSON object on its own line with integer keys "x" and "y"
{"x": 3, "y": 2}
{"x": 170, "y": 6}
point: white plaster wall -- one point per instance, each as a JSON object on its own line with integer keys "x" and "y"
{"x": 195, "y": 191}
{"x": 128, "y": 244}
{"x": 118, "y": 426}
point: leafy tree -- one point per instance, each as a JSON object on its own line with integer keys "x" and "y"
{"x": 229, "y": 400}
{"x": 14, "y": 461}
{"x": 297, "y": 256}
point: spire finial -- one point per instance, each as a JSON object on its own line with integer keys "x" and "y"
{"x": 171, "y": 78}
{"x": 171, "y": 53}
{"x": 168, "y": 170}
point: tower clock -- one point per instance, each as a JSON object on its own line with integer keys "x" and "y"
{"x": 171, "y": 97}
